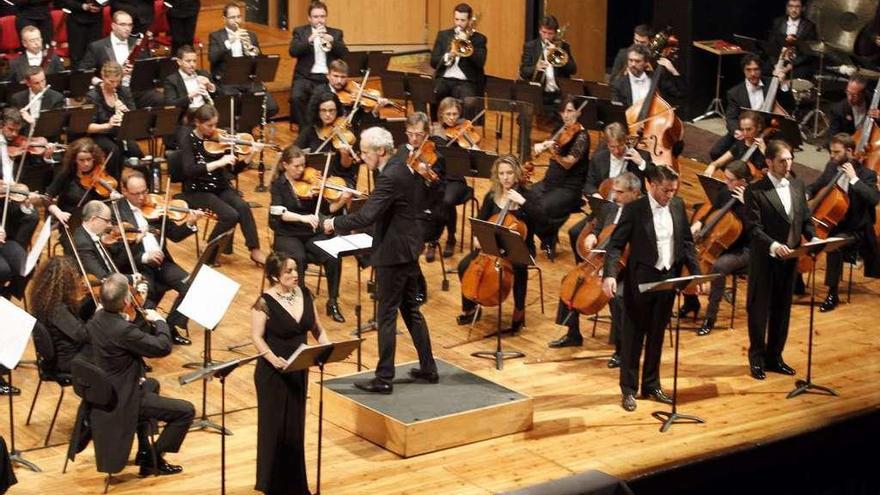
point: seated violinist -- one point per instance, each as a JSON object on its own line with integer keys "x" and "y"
{"x": 326, "y": 115}
{"x": 154, "y": 261}
{"x": 419, "y": 152}
{"x": 21, "y": 217}
{"x": 506, "y": 196}
{"x": 72, "y": 186}
{"x": 33, "y": 56}
{"x": 34, "y": 172}
{"x": 750, "y": 126}
{"x": 293, "y": 218}
{"x": 12, "y": 259}
{"x": 859, "y": 183}
{"x": 560, "y": 191}
{"x": 736, "y": 257}
{"x": 455, "y": 189}
{"x": 99, "y": 248}
{"x": 339, "y": 84}
{"x": 111, "y": 101}
{"x": 626, "y": 188}
{"x": 207, "y": 172}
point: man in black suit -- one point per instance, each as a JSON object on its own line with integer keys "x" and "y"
{"x": 84, "y": 23}
{"x": 777, "y": 216}
{"x": 36, "y": 173}
{"x": 749, "y": 95}
{"x": 660, "y": 244}
{"x": 794, "y": 26}
{"x": 337, "y": 80}
{"x": 848, "y": 114}
{"x": 397, "y": 242}
{"x": 188, "y": 88}
{"x": 35, "y": 80}
{"x": 309, "y": 46}
{"x": 534, "y": 65}
{"x": 34, "y": 13}
{"x": 456, "y": 75}
{"x": 32, "y": 41}
{"x": 182, "y": 16}
{"x": 235, "y": 41}
{"x": 634, "y": 84}
{"x": 860, "y": 185}
{"x": 97, "y": 259}
{"x": 142, "y": 11}
{"x": 118, "y": 348}
{"x": 641, "y": 36}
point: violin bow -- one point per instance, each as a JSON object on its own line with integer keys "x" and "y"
{"x": 323, "y": 182}
{"x": 103, "y": 165}
{"x": 115, "y": 205}
{"x": 24, "y": 152}
{"x": 6, "y": 205}
{"x": 165, "y": 216}
{"x": 357, "y": 100}
{"x": 349, "y": 118}
{"x": 82, "y": 269}
{"x": 464, "y": 128}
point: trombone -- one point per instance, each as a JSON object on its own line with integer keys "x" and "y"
{"x": 554, "y": 54}
{"x": 461, "y": 44}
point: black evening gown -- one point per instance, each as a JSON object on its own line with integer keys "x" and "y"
{"x": 281, "y": 404}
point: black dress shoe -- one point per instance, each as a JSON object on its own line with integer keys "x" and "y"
{"x": 780, "y": 367}
{"x": 614, "y": 362}
{"x": 143, "y": 457}
{"x": 7, "y": 389}
{"x": 514, "y": 328}
{"x": 468, "y": 317}
{"x": 333, "y": 311}
{"x": 449, "y": 248}
{"x": 658, "y": 395}
{"x": 178, "y": 339}
{"x": 628, "y": 402}
{"x": 566, "y": 341}
{"x": 691, "y": 305}
{"x": 706, "y": 328}
{"x": 375, "y": 386}
{"x": 800, "y": 289}
{"x": 428, "y": 376}
{"x": 829, "y": 303}
{"x": 430, "y": 253}
{"x": 161, "y": 468}
{"x": 757, "y": 372}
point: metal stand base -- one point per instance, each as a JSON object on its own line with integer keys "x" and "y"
{"x": 668, "y": 418}
{"x": 715, "y": 109}
{"x": 204, "y": 423}
{"x": 812, "y": 130}
{"x": 804, "y": 386}
{"x": 16, "y": 458}
{"x": 498, "y": 356}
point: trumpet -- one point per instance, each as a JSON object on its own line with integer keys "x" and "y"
{"x": 461, "y": 45}
{"x": 325, "y": 44}
{"x": 246, "y": 46}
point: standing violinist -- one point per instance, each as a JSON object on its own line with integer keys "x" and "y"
{"x": 750, "y": 126}
{"x": 626, "y": 188}
{"x": 459, "y": 74}
{"x": 33, "y": 55}
{"x": 560, "y": 191}
{"x": 293, "y": 218}
{"x": 419, "y": 152}
{"x": 83, "y": 159}
{"x": 736, "y": 257}
{"x": 327, "y": 116}
{"x": 789, "y": 28}
{"x": 206, "y": 181}
{"x": 534, "y": 60}
{"x": 859, "y": 183}
{"x": 315, "y": 47}
{"x": 506, "y": 194}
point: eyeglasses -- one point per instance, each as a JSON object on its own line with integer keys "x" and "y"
{"x": 106, "y": 219}
{"x": 415, "y": 134}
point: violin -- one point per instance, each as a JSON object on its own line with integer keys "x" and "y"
{"x": 560, "y": 138}
{"x": 340, "y": 135}
{"x": 19, "y": 193}
{"x": 242, "y": 143}
{"x": 425, "y": 154}
{"x": 37, "y": 146}
{"x": 462, "y": 133}
{"x": 98, "y": 179}
{"x": 369, "y": 97}
{"x": 309, "y": 185}
{"x": 176, "y": 209}
{"x": 113, "y": 234}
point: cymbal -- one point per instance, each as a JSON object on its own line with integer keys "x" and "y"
{"x": 817, "y": 48}
{"x": 839, "y": 21}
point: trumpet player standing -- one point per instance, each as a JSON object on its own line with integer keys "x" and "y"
{"x": 315, "y": 46}
{"x": 459, "y": 58}
{"x": 546, "y": 59}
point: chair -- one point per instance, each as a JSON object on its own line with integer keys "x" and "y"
{"x": 47, "y": 373}
{"x": 60, "y": 39}
{"x": 173, "y": 159}
{"x": 9, "y": 42}
{"x": 734, "y": 278}
{"x": 475, "y": 207}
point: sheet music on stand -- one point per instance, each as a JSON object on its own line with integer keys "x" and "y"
{"x": 16, "y": 333}
{"x": 346, "y": 245}
{"x": 37, "y": 247}
{"x": 208, "y": 297}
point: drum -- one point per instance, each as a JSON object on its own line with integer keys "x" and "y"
{"x": 803, "y": 91}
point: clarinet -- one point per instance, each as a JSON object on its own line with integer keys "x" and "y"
{"x": 261, "y": 168}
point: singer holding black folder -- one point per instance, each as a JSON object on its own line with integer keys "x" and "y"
{"x": 280, "y": 321}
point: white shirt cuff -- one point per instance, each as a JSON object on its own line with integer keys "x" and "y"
{"x": 853, "y": 180}
{"x": 773, "y": 246}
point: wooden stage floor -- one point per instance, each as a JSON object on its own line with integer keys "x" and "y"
{"x": 579, "y": 424}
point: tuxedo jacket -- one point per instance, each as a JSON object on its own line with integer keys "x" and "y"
{"x": 173, "y": 232}
{"x": 393, "y": 210}
{"x": 533, "y": 51}
{"x": 217, "y": 50}
{"x": 806, "y": 32}
{"x": 77, "y": 14}
{"x": 92, "y": 260}
{"x": 51, "y": 99}
{"x": 305, "y": 54}
{"x": 175, "y": 89}
{"x": 600, "y": 168}
{"x": 472, "y": 67}
{"x": 766, "y": 221}
{"x": 738, "y": 98}
{"x": 841, "y": 118}
{"x": 101, "y": 51}
{"x": 670, "y": 88}
{"x": 19, "y": 65}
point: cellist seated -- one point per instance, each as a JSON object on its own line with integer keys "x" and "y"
{"x": 733, "y": 259}
{"x": 750, "y": 127}
{"x": 626, "y": 188}
{"x": 859, "y": 184}
{"x": 506, "y": 198}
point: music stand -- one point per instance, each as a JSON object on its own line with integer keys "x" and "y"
{"x": 608, "y": 111}
{"x": 787, "y": 128}
{"x": 145, "y": 74}
{"x": 9, "y": 88}
{"x": 377, "y": 62}
{"x": 570, "y": 86}
{"x": 15, "y": 456}
{"x": 712, "y": 187}
{"x": 319, "y": 355}
{"x": 148, "y": 123}
{"x": 598, "y": 89}
{"x": 813, "y": 249}
{"x": 677, "y": 284}
{"x": 219, "y": 371}
{"x": 67, "y": 120}
{"x": 80, "y": 81}
{"x": 246, "y": 70}
{"x": 248, "y": 110}
{"x": 420, "y": 89}
{"x": 505, "y": 244}
{"x": 356, "y": 61}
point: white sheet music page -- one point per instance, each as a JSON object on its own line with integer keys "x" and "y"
{"x": 15, "y": 332}
{"x": 208, "y": 297}
{"x": 37, "y": 248}
{"x": 345, "y": 243}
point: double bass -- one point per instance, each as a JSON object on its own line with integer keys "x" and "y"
{"x": 867, "y": 137}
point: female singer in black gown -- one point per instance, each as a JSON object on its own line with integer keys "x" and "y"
{"x": 326, "y": 108}
{"x": 281, "y": 318}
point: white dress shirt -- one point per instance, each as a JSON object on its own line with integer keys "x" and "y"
{"x": 756, "y": 94}
{"x": 549, "y": 75}
{"x": 639, "y": 86}
{"x": 791, "y": 26}
{"x": 783, "y": 190}
{"x": 663, "y": 228}
{"x": 616, "y": 167}
{"x": 149, "y": 241}
{"x": 192, "y": 84}
{"x": 8, "y": 173}
{"x": 120, "y": 52}
{"x": 34, "y": 59}
{"x": 234, "y": 46}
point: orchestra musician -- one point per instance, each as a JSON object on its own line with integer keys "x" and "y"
{"x": 642, "y": 35}
{"x": 233, "y": 40}
{"x": 848, "y": 114}
{"x": 749, "y": 94}
{"x": 22, "y": 217}
{"x": 792, "y": 26}
{"x": 458, "y": 74}
{"x": 84, "y": 26}
{"x": 315, "y": 46}
{"x": 66, "y": 192}
{"x": 660, "y": 243}
{"x": 293, "y": 218}
{"x": 141, "y": 11}
{"x": 534, "y": 60}
{"x": 417, "y": 132}
{"x": 33, "y": 55}
{"x": 635, "y": 82}
{"x": 34, "y": 13}
{"x": 35, "y": 82}
{"x": 626, "y": 188}
{"x": 12, "y": 259}
{"x": 777, "y": 217}
{"x": 859, "y": 183}
{"x": 506, "y": 191}
{"x": 337, "y": 81}
{"x": 750, "y": 126}
{"x": 735, "y": 258}
{"x": 36, "y": 173}
{"x": 118, "y": 348}
{"x": 182, "y": 16}
{"x": 188, "y": 88}
{"x": 281, "y": 320}
{"x": 397, "y": 242}
{"x": 99, "y": 259}
{"x": 206, "y": 181}
{"x": 560, "y": 191}
{"x": 326, "y": 111}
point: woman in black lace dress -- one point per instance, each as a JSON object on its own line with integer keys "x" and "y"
{"x": 281, "y": 318}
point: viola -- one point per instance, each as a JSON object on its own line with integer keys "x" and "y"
{"x": 113, "y": 233}
{"x": 369, "y": 97}
{"x": 176, "y": 209}
{"x": 340, "y": 136}
{"x": 309, "y": 185}
{"x": 425, "y": 154}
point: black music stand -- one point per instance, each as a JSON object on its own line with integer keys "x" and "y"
{"x": 571, "y": 86}
{"x": 246, "y": 70}
{"x": 813, "y": 249}
{"x": 421, "y": 91}
{"x": 319, "y": 355}
{"x": 787, "y": 128}
{"x": 712, "y": 187}
{"x": 149, "y": 123}
{"x": 147, "y": 73}
{"x": 67, "y": 121}
{"x": 598, "y": 89}
{"x": 677, "y": 284}
{"x": 9, "y": 88}
{"x": 394, "y": 87}
{"x": 505, "y": 244}
{"x": 377, "y": 62}
{"x": 356, "y": 61}
{"x": 219, "y": 371}
{"x": 79, "y": 82}
{"x": 608, "y": 111}
{"x": 15, "y": 456}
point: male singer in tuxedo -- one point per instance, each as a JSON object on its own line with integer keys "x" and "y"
{"x": 312, "y": 62}
{"x": 860, "y": 185}
{"x": 535, "y": 67}
{"x": 660, "y": 243}
{"x": 777, "y": 216}
{"x": 795, "y": 26}
{"x": 393, "y": 207}
{"x": 455, "y": 75}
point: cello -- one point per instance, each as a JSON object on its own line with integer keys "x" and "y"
{"x": 581, "y": 289}
{"x": 827, "y": 209}
{"x": 867, "y": 137}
